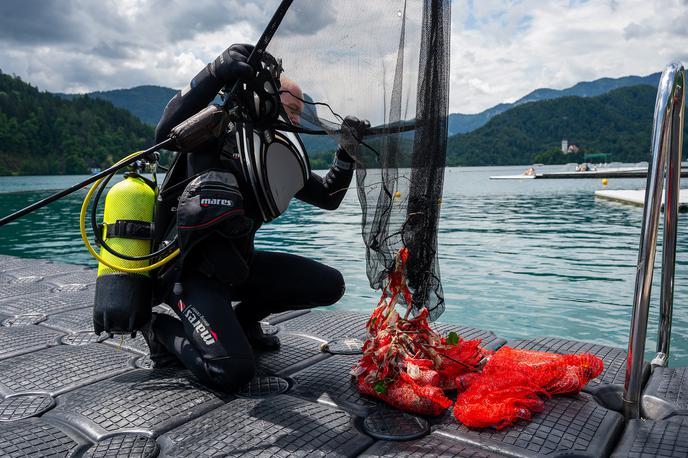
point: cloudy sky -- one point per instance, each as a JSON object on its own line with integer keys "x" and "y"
{"x": 501, "y": 49}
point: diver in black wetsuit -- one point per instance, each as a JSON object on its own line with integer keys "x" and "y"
{"x": 211, "y": 338}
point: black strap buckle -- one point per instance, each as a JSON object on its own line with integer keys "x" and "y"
{"x": 130, "y": 229}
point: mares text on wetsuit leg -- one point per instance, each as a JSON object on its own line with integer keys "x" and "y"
{"x": 209, "y": 341}
{"x": 278, "y": 282}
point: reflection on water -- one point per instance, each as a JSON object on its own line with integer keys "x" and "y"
{"x": 523, "y": 258}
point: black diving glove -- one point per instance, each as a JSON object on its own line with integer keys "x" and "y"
{"x": 231, "y": 65}
{"x": 353, "y": 131}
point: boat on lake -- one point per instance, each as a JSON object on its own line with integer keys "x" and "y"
{"x": 611, "y": 172}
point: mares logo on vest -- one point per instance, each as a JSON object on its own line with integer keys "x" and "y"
{"x": 198, "y": 322}
{"x": 207, "y": 201}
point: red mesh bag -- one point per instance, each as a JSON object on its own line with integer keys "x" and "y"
{"x": 512, "y": 385}
{"x": 404, "y": 394}
{"x": 407, "y": 364}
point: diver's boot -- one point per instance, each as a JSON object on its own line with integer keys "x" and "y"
{"x": 159, "y": 354}
{"x": 258, "y": 339}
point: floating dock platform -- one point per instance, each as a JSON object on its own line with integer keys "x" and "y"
{"x": 637, "y": 172}
{"x": 637, "y": 197}
{"x": 66, "y": 392}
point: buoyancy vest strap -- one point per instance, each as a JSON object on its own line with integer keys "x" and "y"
{"x": 130, "y": 229}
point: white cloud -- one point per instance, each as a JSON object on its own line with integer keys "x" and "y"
{"x": 501, "y": 49}
{"x": 519, "y": 46}
{"x": 79, "y": 45}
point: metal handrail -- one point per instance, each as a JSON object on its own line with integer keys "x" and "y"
{"x": 667, "y": 140}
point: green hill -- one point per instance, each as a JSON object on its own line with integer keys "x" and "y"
{"x": 144, "y": 102}
{"x": 42, "y": 133}
{"x": 618, "y": 123}
{"x": 461, "y": 123}
{"x": 147, "y": 102}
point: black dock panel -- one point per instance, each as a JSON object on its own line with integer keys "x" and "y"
{"x": 432, "y": 445}
{"x": 35, "y": 438}
{"x": 328, "y": 325}
{"x": 47, "y": 302}
{"x": 276, "y": 426}
{"x": 295, "y": 353}
{"x": 567, "y": 426}
{"x": 647, "y": 438}
{"x": 18, "y": 340}
{"x": 330, "y": 382}
{"x": 141, "y": 400}
{"x": 124, "y": 446}
{"x": 38, "y": 270}
{"x": 666, "y": 393}
{"x": 12, "y": 290}
{"x": 77, "y": 320}
{"x": 61, "y": 368}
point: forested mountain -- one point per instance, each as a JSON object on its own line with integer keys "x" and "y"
{"x": 148, "y": 102}
{"x": 619, "y": 123}
{"x": 41, "y": 133}
{"x": 461, "y": 123}
{"x": 144, "y": 102}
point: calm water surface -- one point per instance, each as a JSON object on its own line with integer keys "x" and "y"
{"x": 523, "y": 258}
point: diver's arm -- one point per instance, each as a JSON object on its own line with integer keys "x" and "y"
{"x": 226, "y": 69}
{"x": 197, "y": 95}
{"x": 328, "y": 192}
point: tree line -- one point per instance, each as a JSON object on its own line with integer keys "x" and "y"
{"x": 618, "y": 123}
{"x": 41, "y": 133}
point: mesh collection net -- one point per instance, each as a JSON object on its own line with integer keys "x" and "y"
{"x": 388, "y": 63}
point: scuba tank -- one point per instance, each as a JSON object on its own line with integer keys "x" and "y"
{"x": 124, "y": 287}
{"x": 123, "y": 299}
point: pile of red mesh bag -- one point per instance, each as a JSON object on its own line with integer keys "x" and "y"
{"x": 513, "y": 383}
{"x": 409, "y": 366}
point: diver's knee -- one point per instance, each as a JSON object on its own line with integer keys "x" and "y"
{"x": 335, "y": 288}
{"x": 230, "y": 373}
{"x": 340, "y": 287}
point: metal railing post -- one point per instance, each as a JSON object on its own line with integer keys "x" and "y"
{"x": 671, "y": 206}
{"x": 668, "y": 122}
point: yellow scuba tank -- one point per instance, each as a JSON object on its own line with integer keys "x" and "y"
{"x": 123, "y": 300}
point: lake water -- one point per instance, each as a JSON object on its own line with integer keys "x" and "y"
{"x": 523, "y": 258}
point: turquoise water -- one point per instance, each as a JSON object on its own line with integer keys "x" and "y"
{"x": 524, "y": 258}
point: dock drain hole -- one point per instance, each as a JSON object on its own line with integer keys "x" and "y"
{"x": 26, "y": 280}
{"x": 82, "y": 338}
{"x": 393, "y": 425}
{"x": 263, "y": 386}
{"x": 124, "y": 445}
{"x": 26, "y": 319}
{"x": 343, "y": 346}
{"x": 269, "y": 329}
{"x": 144, "y": 362}
{"x": 22, "y": 406}
{"x": 69, "y": 288}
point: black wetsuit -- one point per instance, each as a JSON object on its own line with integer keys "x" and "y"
{"x": 209, "y": 339}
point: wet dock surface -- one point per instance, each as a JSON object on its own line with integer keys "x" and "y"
{"x": 65, "y": 392}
